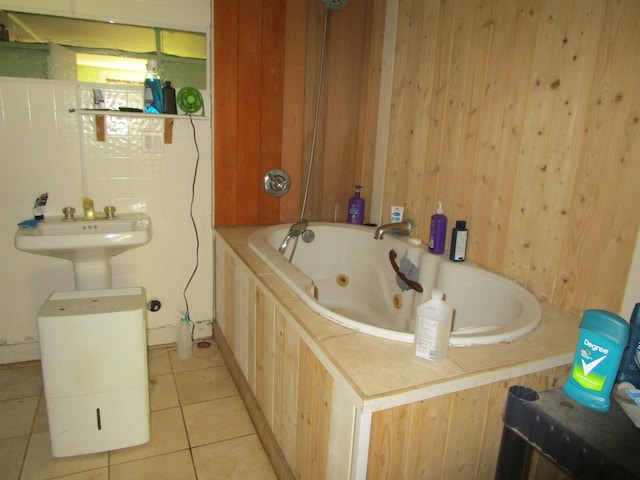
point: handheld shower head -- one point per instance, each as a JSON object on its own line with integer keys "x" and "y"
{"x": 335, "y": 5}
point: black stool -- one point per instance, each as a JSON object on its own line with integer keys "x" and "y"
{"x": 585, "y": 443}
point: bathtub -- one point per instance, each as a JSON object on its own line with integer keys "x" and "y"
{"x": 346, "y": 275}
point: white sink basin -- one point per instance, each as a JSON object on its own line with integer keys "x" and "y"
{"x": 88, "y": 244}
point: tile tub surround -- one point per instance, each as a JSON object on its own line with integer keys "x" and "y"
{"x": 383, "y": 374}
{"x": 378, "y": 367}
{"x": 199, "y": 427}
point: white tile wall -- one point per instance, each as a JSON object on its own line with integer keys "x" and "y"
{"x": 44, "y": 148}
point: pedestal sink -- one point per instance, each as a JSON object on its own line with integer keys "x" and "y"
{"x": 88, "y": 244}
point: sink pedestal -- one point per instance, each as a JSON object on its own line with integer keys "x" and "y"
{"x": 92, "y": 275}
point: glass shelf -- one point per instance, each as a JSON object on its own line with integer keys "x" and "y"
{"x": 101, "y": 134}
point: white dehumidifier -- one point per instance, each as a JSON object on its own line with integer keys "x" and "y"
{"x": 94, "y": 364}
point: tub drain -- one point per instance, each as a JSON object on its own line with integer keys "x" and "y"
{"x": 342, "y": 280}
{"x": 397, "y": 301}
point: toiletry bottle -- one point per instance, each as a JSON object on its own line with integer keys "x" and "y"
{"x": 184, "y": 338}
{"x": 603, "y": 336}
{"x": 38, "y": 206}
{"x": 169, "y": 94}
{"x": 433, "y": 328}
{"x": 396, "y": 214}
{"x": 153, "y": 102}
{"x": 459, "y": 236}
{"x": 438, "y": 231}
{"x": 356, "y": 208}
{"x": 630, "y": 364}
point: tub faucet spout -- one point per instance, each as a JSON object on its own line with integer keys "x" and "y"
{"x": 297, "y": 229}
{"x": 401, "y": 228}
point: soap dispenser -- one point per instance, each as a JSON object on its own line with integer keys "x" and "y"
{"x": 356, "y": 208}
{"x": 438, "y": 232}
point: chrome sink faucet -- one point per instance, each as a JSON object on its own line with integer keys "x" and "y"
{"x": 89, "y": 212}
{"x": 401, "y": 228}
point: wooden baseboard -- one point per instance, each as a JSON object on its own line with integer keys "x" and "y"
{"x": 269, "y": 443}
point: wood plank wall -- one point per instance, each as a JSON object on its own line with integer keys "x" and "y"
{"x": 344, "y": 150}
{"x": 266, "y": 64}
{"x": 248, "y": 105}
{"x": 523, "y": 116}
{"x": 452, "y": 436}
{"x": 287, "y": 390}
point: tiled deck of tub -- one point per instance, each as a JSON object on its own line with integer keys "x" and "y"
{"x": 199, "y": 427}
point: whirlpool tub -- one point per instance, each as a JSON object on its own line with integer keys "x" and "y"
{"x": 346, "y": 275}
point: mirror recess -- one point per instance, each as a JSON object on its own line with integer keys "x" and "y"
{"x": 61, "y": 48}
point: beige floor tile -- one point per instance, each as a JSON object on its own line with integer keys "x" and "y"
{"x": 99, "y": 474}
{"x": 41, "y": 422}
{"x": 16, "y": 416}
{"x": 39, "y": 464}
{"x": 240, "y": 459}
{"x": 167, "y": 435}
{"x": 163, "y": 393}
{"x": 201, "y": 358}
{"x": 12, "y": 452}
{"x": 175, "y": 466}
{"x": 218, "y": 426}
{"x": 217, "y": 420}
{"x": 158, "y": 360}
{"x": 20, "y": 382}
{"x": 196, "y": 386}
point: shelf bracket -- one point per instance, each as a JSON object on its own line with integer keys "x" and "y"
{"x": 168, "y": 130}
{"x": 101, "y": 130}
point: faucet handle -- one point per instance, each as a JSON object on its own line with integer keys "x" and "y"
{"x": 110, "y": 211}
{"x": 68, "y": 214}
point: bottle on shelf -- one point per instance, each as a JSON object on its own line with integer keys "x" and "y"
{"x": 169, "y": 94}
{"x": 153, "y": 97}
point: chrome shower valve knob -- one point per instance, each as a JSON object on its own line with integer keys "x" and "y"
{"x": 277, "y": 182}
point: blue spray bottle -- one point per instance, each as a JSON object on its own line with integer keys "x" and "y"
{"x": 153, "y": 96}
{"x": 603, "y": 336}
